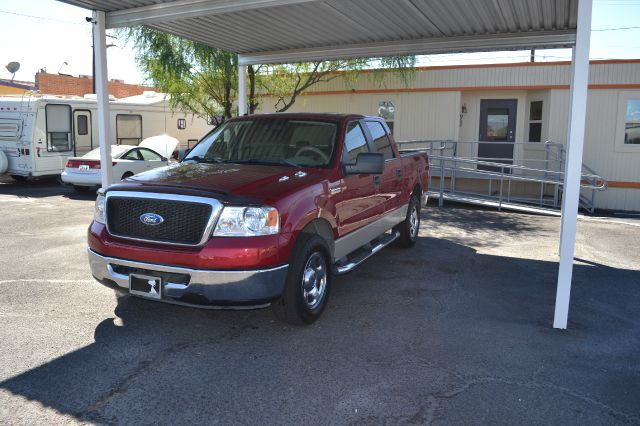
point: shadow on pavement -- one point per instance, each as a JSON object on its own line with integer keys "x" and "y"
{"x": 42, "y": 188}
{"x": 403, "y": 339}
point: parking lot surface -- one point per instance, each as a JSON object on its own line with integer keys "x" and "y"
{"x": 457, "y": 330}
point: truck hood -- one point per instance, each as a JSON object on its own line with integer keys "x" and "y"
{"x": 227, "y": 182}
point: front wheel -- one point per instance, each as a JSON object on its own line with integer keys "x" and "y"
{"x": 308, "y": 282}
{"x": 410, "y": 227}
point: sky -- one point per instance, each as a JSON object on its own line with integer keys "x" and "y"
{"x": 55, "y": 36}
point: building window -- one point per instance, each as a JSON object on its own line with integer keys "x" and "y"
{"x": 58, "y": 120}
{"x": 128, "y": 129}
{"x": 387, "y": 110}
{"x": 535, "y": 121}
{"x": 381, "y": 141}
{"x": 632, "y": 122}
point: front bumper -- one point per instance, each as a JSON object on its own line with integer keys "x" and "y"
{"x": 195, "y": 287}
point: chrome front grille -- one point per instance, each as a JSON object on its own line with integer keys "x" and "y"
{"x": 185, "y": 221}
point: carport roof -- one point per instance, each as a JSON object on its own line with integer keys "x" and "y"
{"x": 273, "y": 31}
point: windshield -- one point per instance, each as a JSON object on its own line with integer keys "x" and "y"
{"x": 299, "y": 143}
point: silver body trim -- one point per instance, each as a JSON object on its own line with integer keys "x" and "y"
{"x": 216, "y": 209}
{"x": 360, "y": 237}
{"x": 353, "y": 264}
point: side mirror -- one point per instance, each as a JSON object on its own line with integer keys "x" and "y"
{"x": 366, "y": 163}
{"x": 182, "y": 152}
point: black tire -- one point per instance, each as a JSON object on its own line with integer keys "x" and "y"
{"x": 297, "y": 304}
{"x": 80, "y": 188}
{"x": 408, "y": 228}
{"x": 19, "y": 178}
{"x": 126, "y": 175}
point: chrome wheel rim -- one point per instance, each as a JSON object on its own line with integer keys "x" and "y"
{"x": 414, "y": 222}
{"x": 314, "y": 280}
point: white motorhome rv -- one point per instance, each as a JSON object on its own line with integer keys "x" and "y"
{"x": 39, "y": 132}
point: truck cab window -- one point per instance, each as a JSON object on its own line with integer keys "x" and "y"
{"x": 354, "y": 141}
{"x": 380, "y": 139}
{"x": 58, "y": 120}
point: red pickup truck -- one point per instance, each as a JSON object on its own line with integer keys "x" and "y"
{"x": 264, "y": 210}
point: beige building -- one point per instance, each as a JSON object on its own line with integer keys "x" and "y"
{"x": 522, "y": 102}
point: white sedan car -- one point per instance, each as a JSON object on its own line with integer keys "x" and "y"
{"x": 84, "y": 172}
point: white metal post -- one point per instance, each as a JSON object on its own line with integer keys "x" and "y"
{"x": 573, "y": 169}
{"x": 102, "y": 95}
{"x": 242, "y": 89}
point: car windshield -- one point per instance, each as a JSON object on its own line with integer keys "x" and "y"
{"x": 292, "y": 142}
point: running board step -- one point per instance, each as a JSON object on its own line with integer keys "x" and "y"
{"x": 365, "y": 252}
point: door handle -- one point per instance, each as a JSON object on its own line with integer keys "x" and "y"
{"x": 376, "y": 180}
{"x": 399, "y": 173}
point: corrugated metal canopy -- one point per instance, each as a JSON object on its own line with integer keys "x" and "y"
{"x": 268, "y": 31}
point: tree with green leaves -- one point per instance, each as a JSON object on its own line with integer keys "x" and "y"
{"x": 204, "y": 80}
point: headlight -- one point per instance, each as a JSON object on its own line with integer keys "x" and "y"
{"x": 247, "y": 222}
{"x": 100, "y": 210}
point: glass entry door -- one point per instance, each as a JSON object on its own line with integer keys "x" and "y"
{"x": 497, "y": 132}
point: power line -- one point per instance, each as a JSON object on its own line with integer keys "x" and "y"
{"x": 617, "y": 29}
{"x": 42, "y": 17}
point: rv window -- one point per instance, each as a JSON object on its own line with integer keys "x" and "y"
{"x": 128, "y": 129}
{"x": 58, "y": 120}
{"x": 82, "y": 124}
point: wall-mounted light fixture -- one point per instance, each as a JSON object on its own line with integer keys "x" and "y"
{"x": 463, "y": 111}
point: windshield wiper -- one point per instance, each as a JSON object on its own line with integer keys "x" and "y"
{"x": 199, "y": 159}
{"x": 282, "y": 162}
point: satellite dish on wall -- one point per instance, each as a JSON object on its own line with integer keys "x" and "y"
{"x": 13, "y": 67}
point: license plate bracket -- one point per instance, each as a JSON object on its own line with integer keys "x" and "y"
{"x": 145, "y": 286}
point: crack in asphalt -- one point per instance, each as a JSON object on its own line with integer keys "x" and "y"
{"x": 434, "y": 399}
{"x": 91, "y": 413}
{"x": 469, "y": 383}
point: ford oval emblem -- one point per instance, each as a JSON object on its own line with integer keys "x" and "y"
{"x": 151, "y": 219}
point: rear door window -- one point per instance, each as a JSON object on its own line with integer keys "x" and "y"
{"x": 381, "y": 140}
{"x": 355, "y": 142}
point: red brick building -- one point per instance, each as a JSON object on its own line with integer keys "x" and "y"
{"x": 54, "y": 84}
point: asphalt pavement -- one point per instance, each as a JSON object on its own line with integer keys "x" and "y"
{"x": 457, "y": 330}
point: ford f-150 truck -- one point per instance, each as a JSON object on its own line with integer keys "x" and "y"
{"x": 264, "y": 210}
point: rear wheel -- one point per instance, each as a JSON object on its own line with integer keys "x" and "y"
{"x": 410, "y": 227}
{"x": 19, "y": 178}
{"x": 308, "y": 282}
{"x": 80, "y": 188}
